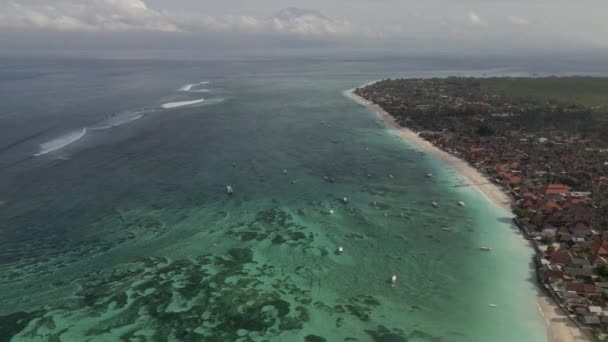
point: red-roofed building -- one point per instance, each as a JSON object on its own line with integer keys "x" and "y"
{"x": 549, "y": 207}
{"x": 599, "y": 260}
{"x": 557, "y": 189}
{"x": 526, "y": 204}
{"x": 600, "y": 247}
{"x": 582, "y": 288}
{"x": 561, "y": 257}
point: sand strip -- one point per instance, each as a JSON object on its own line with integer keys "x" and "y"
{"x": 559, "y": 327}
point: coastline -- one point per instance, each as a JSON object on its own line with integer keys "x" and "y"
{"x": 558, "y": 325}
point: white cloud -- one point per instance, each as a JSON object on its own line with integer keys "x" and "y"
{"x": 474, "y": 17}
{"x": 517, "y": 20}
{"x": 135, "y": 15}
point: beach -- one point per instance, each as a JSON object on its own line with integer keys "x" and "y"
{"x": 559, "y": 327}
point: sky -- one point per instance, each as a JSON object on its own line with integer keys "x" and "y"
{"x": 439, "y": 25}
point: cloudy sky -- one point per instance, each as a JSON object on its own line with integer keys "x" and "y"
{"x": 493, "y": 24}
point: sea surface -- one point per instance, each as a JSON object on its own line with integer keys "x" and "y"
{"x": 115, "y": 223}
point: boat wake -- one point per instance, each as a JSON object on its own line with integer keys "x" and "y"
{"x": 61, "y": 142}
{"x": 170, "y": 105}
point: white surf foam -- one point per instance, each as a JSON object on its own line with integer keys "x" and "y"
{"x": 214, "y": 101}
{"x": 177, "y": 104}
{"x": 189, "y": 87}
{"x": 120, "y": 119}
{"x": 61, "y": 142}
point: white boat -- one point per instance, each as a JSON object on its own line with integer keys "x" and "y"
{"x": 340, "y": 250}
{"x": 331, "y": 211}
{"x": 229, "y": 190}
{"x": 493, "y": 305}
{"x": 461, "y": 203}
{"x": 345, "y": 200}
{"x": 430, "y": 175}
{"x": 487, "y": 249}
{"x": 394, "y": 280}
{"x": 435, "y": 204}
{"x": 446, "y": 229}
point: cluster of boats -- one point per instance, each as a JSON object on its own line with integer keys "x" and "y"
{"x": 340, "y": 249}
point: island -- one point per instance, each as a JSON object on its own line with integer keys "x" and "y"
{"x": 539, "y": 146}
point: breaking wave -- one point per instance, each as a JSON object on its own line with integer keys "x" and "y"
{"x": 177, "y": 104}
{"x": 61, "y": 142}
{"x": 120, "y": 119}
{"x": 192, "y": 86}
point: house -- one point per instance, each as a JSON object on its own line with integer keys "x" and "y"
{"x": 599, "y": 260}
{"x": 578, "y": 271}
{"x": 580, "y": 262}
{"x": 580, "y": 194}
{"x": 582, "y": 288}
{"x": 557, "y": 189}
{"x": 561, "y": 257}
{"x": 555, "y": 276}
{"x": 549, "y": 207}
{"x": 591, "y": 319}
{"x": 580, "y": 230}
{"x": 600, "y": 247}
{"x": 549, "y": 232}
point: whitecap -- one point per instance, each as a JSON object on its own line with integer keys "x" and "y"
{"x": 120, "y": 119}
{"x": 214, "y": 101}
{"x": 189, "y": 87}
{"x": 61, "y": 142}
{"x": 177, "y": 104}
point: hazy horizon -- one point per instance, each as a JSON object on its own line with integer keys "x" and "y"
{"x": 233, "y": 28}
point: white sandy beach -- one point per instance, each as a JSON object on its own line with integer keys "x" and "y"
{"x": 559, "y": 326}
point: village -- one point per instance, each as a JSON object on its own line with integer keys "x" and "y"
{"x": 549, "y": 154}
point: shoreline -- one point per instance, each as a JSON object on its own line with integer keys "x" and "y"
{"x": 558, "y": 325}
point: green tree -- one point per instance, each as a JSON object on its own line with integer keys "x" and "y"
{"x": 603, "y": 270}
{"x": 485, "y": 131}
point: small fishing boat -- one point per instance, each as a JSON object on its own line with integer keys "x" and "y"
{"x": 328, "y": 179}
{"x": 461, "y": 203}
{"x": 345, "y": 200}
{"x": 429, "y": 175}
{"x": 492, "y": 305}
{"x": 331, "y": 211}
{"x": 340, "y": 250}
{"x": 446, "y": 229}
{"x": 229, "y": 190}
{"x": 487, "y": 249}
{"x": 394, "y": 280}
{"x": 435, "y": 204}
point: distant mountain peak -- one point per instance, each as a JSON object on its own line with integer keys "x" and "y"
{"x": 294, "y": 13}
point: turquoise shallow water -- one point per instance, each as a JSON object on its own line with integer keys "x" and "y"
{"x": 127, "y": 233}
